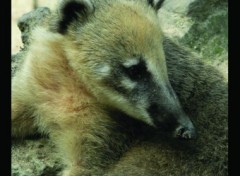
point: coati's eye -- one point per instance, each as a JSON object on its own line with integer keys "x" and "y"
{"x": 135, "y": 69}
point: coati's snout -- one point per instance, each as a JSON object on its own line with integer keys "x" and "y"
{"x": 179, "y": 123}
{"x": 185, "y": 131}
{"x": 168, "y": 115}
{"x": 140, "y": 95}
{"x": 143, "y": 92}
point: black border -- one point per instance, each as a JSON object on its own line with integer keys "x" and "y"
{"x": 5, "y": 110}
{"x": 234, "y": 88}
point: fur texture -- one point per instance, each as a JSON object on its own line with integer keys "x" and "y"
{"x": 66, "y": 89}
{"x": 203, "y": 93}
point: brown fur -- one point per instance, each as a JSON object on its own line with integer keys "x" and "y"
{"x": 56, "y": 92}
{"x": 202, "y": 91}
{"x": 57, "y": 96}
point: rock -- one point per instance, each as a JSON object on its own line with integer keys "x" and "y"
{"x": 211, "y": 24}
{"x": 26, "y": 24}
{"x": 16, "y": 59}
{"x": 34, "y": 157}
{"x": 30, "y": 20}
{"x": 201, "y": 25}
{"x": 181, "y": 7}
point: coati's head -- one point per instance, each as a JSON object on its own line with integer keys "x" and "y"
{"x": 116, "y": 47}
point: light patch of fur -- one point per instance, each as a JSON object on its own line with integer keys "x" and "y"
{"x": 130, "y": 63}
{"x": 128, "y": 83}
{"x": 154, "y": 65}
{"x": 103, "y": 70}
{"x": 139, "y": 112}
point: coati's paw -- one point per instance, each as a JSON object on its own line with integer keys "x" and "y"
{"x": 185, "y": 133}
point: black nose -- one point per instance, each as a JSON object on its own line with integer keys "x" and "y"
{"x": 185, "y": 132}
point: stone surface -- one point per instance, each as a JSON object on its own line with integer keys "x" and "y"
{"x": 34, "y": 157}
{"x": 29, "y": 21}
{"x": 180, "y": 6}
{"x": 26, "y": 24}
{"x": 201, "y": 25}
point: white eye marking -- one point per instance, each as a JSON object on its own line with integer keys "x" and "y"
{"x": 131, "y": 62}
{"x": 128, "y": 83}
{"x": 103, "y": 70}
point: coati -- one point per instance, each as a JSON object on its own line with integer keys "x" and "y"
{"x": 68, "y": 88}
{"x": 203, "y": 93}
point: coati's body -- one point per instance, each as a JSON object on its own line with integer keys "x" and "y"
{"x": 75, "y": 84}
{"x": 203, "y": 93}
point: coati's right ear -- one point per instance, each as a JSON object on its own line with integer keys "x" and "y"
{"x": 73, "y": 10}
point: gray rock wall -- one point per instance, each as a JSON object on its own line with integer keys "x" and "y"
{"x": 201, "y": 25}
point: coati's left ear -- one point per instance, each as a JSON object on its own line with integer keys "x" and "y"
{"x": 73, "y": 10}
{"x": 156, "y": 4}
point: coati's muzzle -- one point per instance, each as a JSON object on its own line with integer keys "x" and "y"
{"x": 168, "y": 114}
{"x": 179, "y": 123}
{"x": 185, "y": 129}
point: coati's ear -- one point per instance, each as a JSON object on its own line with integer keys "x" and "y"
{"x": 156, "y": 4}
{"x": 71, "y": 10}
